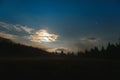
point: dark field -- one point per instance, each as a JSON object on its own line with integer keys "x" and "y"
{"x": 59, "y": 68}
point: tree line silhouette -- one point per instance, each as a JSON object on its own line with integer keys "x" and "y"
{"x": 10, "y": 48}
{"x": 111, "y": 51}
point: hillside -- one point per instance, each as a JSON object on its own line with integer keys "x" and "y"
{"x": 10, "y": 48}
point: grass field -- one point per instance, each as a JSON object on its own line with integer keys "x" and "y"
{"x": 59, "y": 68}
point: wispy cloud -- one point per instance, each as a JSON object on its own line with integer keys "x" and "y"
{"x": 16, "y": 31}
{"x": 8, "y": 36}
{"x": 16, "y": 28}
{"x": 5, "y": 25}
{"x": 41, "y": 35}
{"x": 27, "y": 29}
{"x": 89, "y": 39}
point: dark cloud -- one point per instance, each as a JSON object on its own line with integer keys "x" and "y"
{"x": 89, "y": 40}
{"x": 87, "y": 43}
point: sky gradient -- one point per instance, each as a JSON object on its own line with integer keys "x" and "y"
{"x": 74, "y": 24}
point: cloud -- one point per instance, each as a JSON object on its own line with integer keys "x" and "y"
{"x": 16, "y": 28}
{"x": 5, "y": 25}
{"x": 15, "y": 31}
{"x": 8, "y": 36}
{"x": 86, "y": 43}
{"x": 27, "y": 29}
{"x": 27, "y": 33}
{"x": 43, "y": 36}
{"x": 89, "y": 40}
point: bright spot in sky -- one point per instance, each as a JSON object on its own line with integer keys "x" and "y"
{"x": 43, "y": 36}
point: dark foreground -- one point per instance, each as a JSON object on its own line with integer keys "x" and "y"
{"x": 59, "y": 68}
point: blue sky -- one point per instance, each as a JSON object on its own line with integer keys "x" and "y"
{"x": 78, "y": 23}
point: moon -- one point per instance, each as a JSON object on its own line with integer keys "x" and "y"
{"x": 43, "y": 36}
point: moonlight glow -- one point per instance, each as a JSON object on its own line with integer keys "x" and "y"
{"x": 43, "y": 36}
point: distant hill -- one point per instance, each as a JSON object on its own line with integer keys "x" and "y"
{"x": 10, "y": 48}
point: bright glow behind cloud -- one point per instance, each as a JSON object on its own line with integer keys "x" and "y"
{"x": 43, "y": 36}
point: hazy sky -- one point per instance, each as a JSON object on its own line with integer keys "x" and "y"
{"x": 69, "y": 24}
